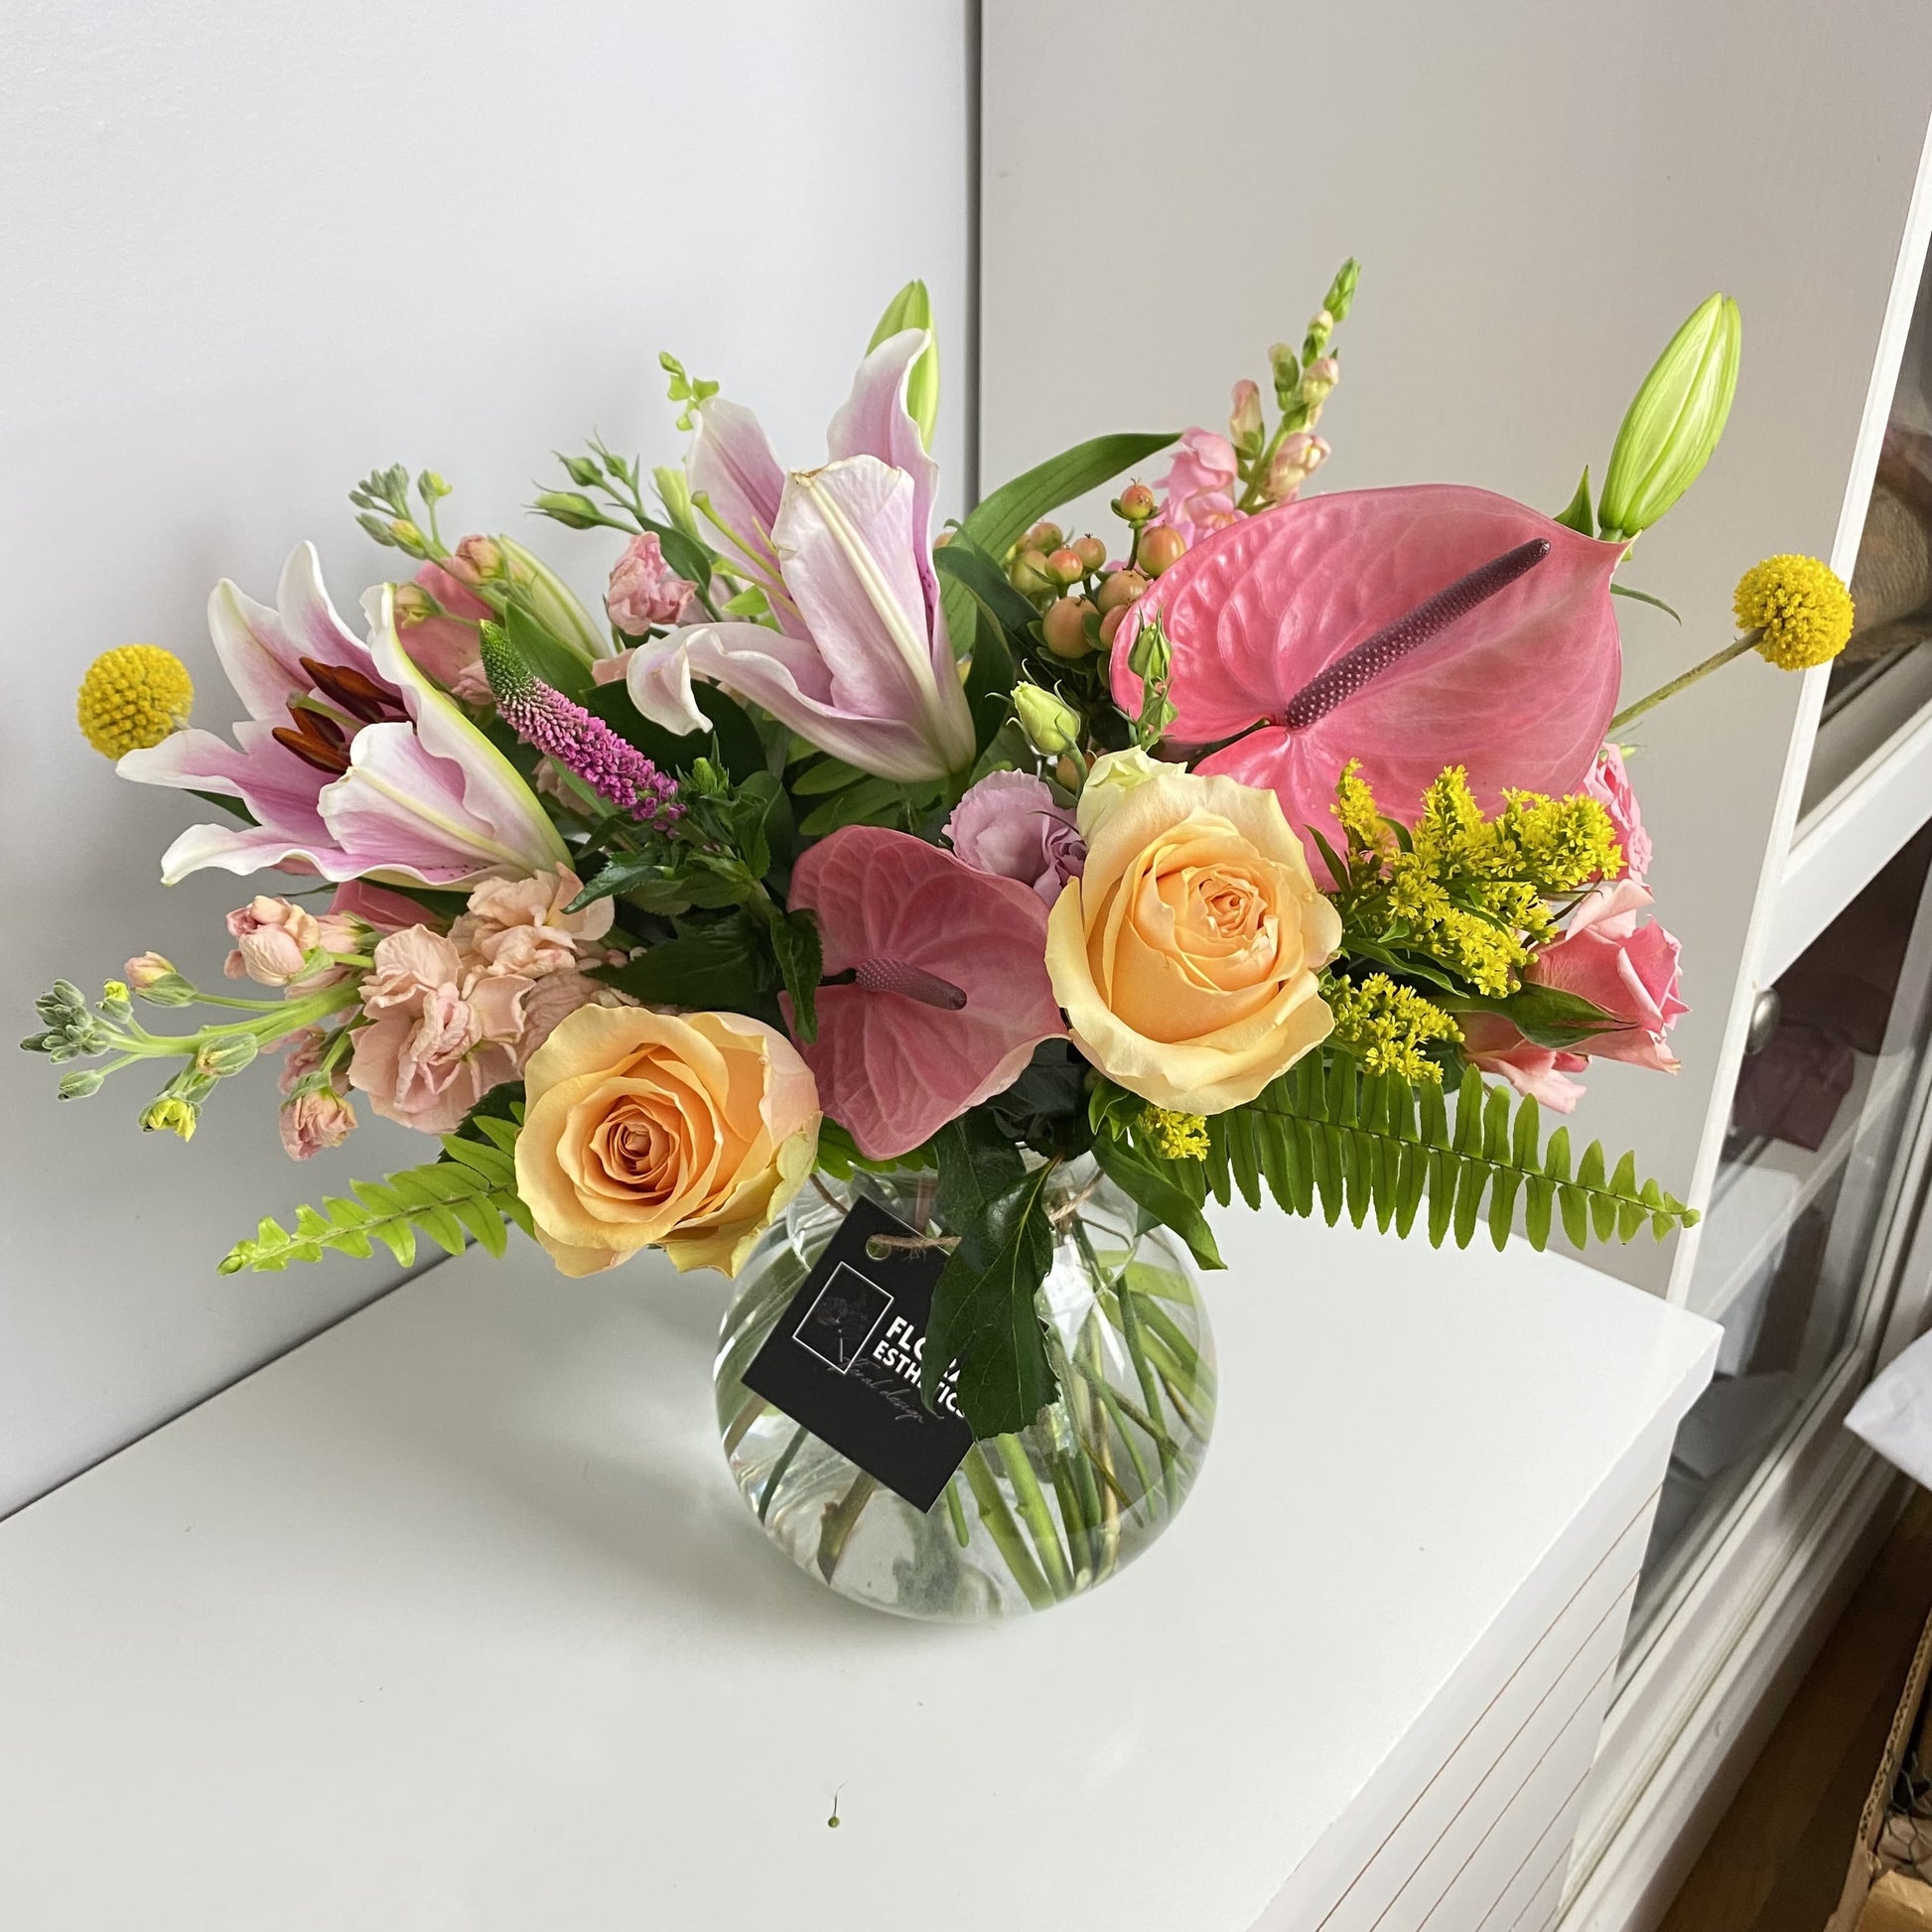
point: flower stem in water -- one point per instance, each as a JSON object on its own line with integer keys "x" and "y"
{"x": 1003, "y": 1530}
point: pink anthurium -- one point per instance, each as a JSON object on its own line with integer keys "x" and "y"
{"x": 860, "y": 664}
{"x": 351, "y": 762}
{"x": 1409, "y": 628}
{"x": 948, "y": 995}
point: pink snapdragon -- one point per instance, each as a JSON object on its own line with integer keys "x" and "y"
{"x": 1200, "y": 487}
{"x": 645, "y": 594}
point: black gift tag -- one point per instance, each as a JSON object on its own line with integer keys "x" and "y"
{"x": 844, "y": 1359}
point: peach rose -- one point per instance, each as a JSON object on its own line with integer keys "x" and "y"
{"x": 1186, "y": 954}
{"x": 686, "y": 1132}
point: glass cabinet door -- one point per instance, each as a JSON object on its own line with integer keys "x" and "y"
{"x": 1817, "y": 1182}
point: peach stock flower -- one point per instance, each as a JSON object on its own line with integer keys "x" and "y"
{"x": 685, "y": 1132}
{"x": 1186, "y": 954}
{"x": 519, "y": 926}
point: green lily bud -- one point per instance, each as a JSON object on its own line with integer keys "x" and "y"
{"x": 553, "y": 602}
{"x": 1052, "y": 724}
{"x": 1675, "y": 422}
{"x": 912, "y": 308}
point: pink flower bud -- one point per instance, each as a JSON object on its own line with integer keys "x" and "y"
{"x": 147, "y": 969}
{"x": 313, "y": 1121}
{"x": 1298, "y": 458}
{"x": 1244, "y": 419}
{"x": 271, "y": 937}
{"x": 645, "y": 592}
{"x": 1319, "y": 378}
{"x": 476, "y": 560}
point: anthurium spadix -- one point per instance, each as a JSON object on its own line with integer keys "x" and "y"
{"x": 1408, "y": 630}
{"x": 860, "y": 664}
{"x": 351, "y": 762}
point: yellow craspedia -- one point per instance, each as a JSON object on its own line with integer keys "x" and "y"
{"x": 1801, "y": 606}
{"x": 133, "y": 696}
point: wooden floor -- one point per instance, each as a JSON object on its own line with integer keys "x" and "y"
{"x": 1777, "y": 1860}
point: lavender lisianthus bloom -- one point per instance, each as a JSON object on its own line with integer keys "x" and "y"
{"x": 1010, "y": 825}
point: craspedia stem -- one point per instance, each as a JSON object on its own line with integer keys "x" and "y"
{"x": 1354, "y": 668}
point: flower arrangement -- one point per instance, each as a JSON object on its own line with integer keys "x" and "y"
{"x": 1281, "y": 843}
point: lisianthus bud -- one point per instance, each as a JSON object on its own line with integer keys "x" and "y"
{"x": 1149, "y": 654}
{"x": 1052, "y": 724}
{"x": 1064, "y": 626}
{"x": 1674, "y": 424}
{"x": 1160, "y": 550}
{"x": 1135, "y": 504}
{"x": 1244, "y": 418}
{"x": 1298, "y": 458}
{"x": 570, "y": 507}
{"x": 1121, "y": 589}
{"x": 476, "y": 560}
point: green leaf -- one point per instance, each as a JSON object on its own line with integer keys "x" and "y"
{"x": 1144, "y": 1178}
{"x": 544, "y": 656}
{"x": 1644, "y": 597}
{"x": 733, "y": 740}
{"x": 871, "y": 801}
{"x": 722, "y": 965}
{"x": 1576, "y": 515}
{"x": 801, "y": 965}
{"x": 983, "y": 1317}
{"x": 1016, "y": 506}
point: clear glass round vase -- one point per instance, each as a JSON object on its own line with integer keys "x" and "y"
{"x": 1030, "y": 1519}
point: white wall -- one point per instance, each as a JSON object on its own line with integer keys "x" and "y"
{"x": 1538, "y": 191}
{"x": 253, "y": 249}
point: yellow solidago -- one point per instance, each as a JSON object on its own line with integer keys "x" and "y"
{"x": 1387, "y": 1025}
{"x": 132, "y": 697}
{"x": 1800, "y": 606}
{"x": 1177, "y": 1137}
{"x": 1467, "y": 892}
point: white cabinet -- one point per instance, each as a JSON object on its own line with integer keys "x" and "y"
{"x": 1539, "y": 194}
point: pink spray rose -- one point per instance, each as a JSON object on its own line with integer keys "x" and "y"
{"x": 1491, "y": 1043}
{"x": 448, "y": 646}
{"x": 442, "y": 1033}
{"x": 1008, "y": 824}
{"x": 645, "y": 592}
{"x": 1609, "y": 784}
{"x": 1627, "y": 969}
{"x": 1200, "y": 487}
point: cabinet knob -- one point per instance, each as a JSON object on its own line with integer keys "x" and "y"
{"x": 1767, "y": 1009}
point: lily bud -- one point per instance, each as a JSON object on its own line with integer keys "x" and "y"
{"x": 674, "y": 491}
{"x": 552, "y": 601}
{"x": 1052, "y": 724}
{"x": 912, "y": 308}
{"x": 1244, "y": 418}
{"x": 1674, "y": 424}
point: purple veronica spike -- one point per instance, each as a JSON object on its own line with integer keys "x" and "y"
{"x": 578, "y": 741}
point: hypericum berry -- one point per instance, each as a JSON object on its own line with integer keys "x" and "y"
{"x": 1121, "y": 589}
{"x": 1110, "y": 624}
{"x": 1135, "y": 504}
{"x": 1043, "y": 537}
{"x": 1028, "y": 574}
{"x": 1091, "y": 552}
{"x": 1064, "y": 567}
{"x": 1160, "y": 550}
{"x": 1064, "y": 626}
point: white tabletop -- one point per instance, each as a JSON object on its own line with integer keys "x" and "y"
{"x": 452, "y": 1618}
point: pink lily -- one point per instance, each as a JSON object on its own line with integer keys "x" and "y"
{"x": 860, "y": 664}
{"x": 352, "y": 761}
{"x": 948, "y": 995}
{"x": 1409, "y": 628}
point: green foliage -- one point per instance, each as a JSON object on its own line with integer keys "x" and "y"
{"x": 1328, "y": 1133}
{"x": 1171, "y": 1191}
{"x": 983, "y": 1315}
{"x": 472, "y": 1190}
{"x": 1578, "y": 514}
{"x": 1015, "y": 506}
{"x": 543, "y": 656}
{"x": 839, "y": 1156}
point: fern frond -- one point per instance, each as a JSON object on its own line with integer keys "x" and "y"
{"x": 1329, "y": 1134}
{"x": 471, "y": 1191}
